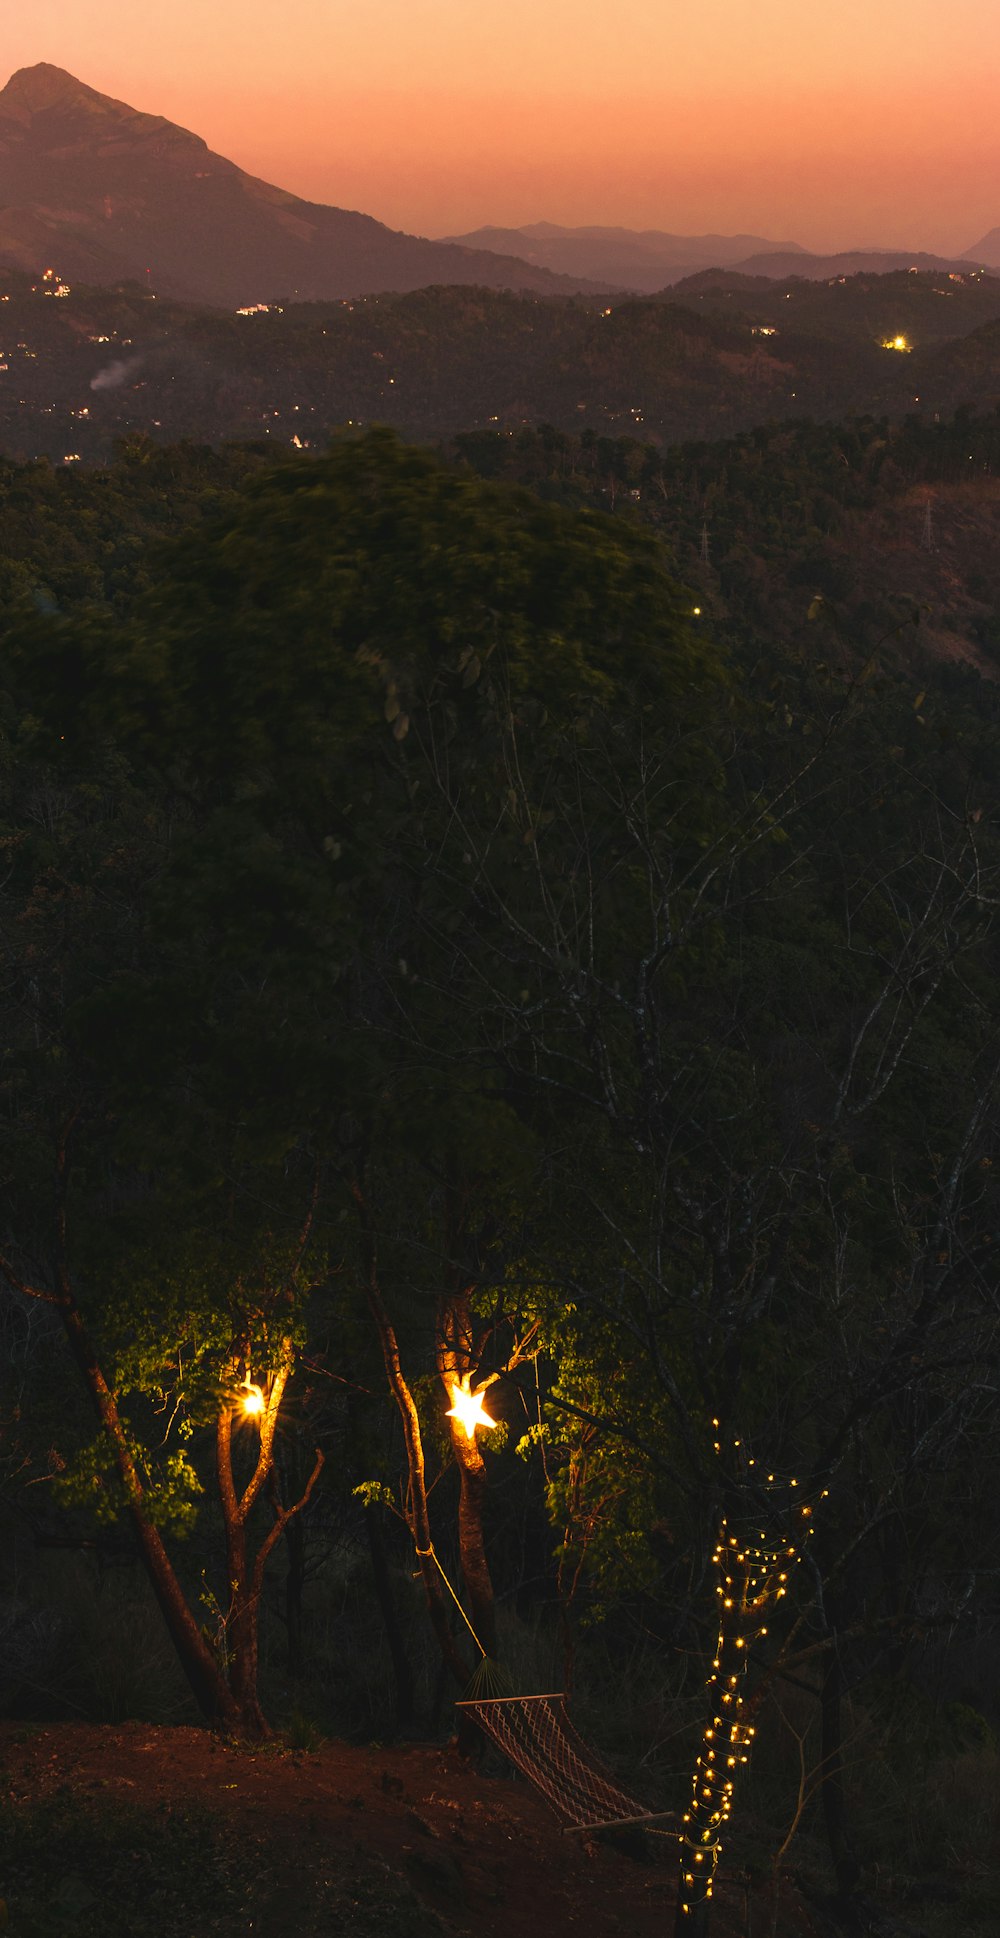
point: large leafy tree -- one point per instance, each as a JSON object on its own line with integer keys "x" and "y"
{"x": 273, "y": 977}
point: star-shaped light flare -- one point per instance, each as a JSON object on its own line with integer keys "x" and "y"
{"x": 468, "y": 1408}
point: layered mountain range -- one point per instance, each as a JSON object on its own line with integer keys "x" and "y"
{"x": 653, "y": 259}
{"x": 106, "y": 194}
{"x": 640, "y": 259}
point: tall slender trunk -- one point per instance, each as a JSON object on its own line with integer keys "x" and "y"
{"x": 417, "y": 1513}
{"x": 471, "y": 1540}
{"x": 455, "y": 1350}
{"x": 242, "y": 1618}
{"x": 208, "y": 1685}
{"x": 246, "y": 1577}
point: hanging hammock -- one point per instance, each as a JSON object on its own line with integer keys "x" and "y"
{"x": 536, "y": 1735}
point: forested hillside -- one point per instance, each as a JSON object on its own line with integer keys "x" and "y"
{"x": 832, "y": 539}
{"x": 865, "y": 307}
{"x": 83, "y": 368}
{"x": 517, "y": 925}
{"x": 894, "y": 526}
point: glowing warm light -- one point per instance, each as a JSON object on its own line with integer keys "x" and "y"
{"x": 253, "y": 1400}
{"x": 713, "y": 1789}
{"x": 895, "y": 343}
{"x": 469, "y": 1410}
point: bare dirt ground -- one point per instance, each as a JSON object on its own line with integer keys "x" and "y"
{"x": 140, "y": 1829}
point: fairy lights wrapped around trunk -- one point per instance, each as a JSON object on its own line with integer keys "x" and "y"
{"x": 753, "y": 1575}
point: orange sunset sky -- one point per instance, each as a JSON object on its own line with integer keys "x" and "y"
{"x": 846, "y": 124}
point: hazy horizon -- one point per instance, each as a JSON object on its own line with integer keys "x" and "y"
{"x": 873, "y": 129}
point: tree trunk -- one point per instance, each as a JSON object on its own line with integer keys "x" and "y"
{"x": 418, "y": 1516}
{"x": 246, "y": 1578}
{"x": 242, "y": 1631}
{"x": 242, "y": 1618}
{"x": 471, "y": 1542}
{"x": 455, "y": 1351}
{"x": 751, "y": 1578}
{"x": 692, "y": 1922}
{"x": 208, "y": 1685}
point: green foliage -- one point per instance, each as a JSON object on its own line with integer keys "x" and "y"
{"x": 373, "y": 1493}
{"x": 171, "y": 1486}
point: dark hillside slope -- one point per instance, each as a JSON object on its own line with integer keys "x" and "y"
{"x": 873, "y": 262}
{"x": 829, "y": 542}
{"x": 96, "y": 365}
{"x": 966, "y": 371}
{"x": 869, "y": 309}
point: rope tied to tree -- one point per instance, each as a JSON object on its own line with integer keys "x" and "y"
{"x": 424, "y": 1553}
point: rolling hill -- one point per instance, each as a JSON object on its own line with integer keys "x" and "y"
{"x": 777, "y": 263}
{"x": 924, "y": 308}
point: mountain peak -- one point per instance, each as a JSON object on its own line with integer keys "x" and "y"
{"x": 33, "y": 89}
{"x": 108, "y": 193}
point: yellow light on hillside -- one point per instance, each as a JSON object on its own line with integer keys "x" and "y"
{"x": 895, "y": 343}
{"x": 468, "y": 1409}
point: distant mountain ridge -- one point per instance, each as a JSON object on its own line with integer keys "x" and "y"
{"x": 641, "y": 259}
{"x": 649, "y": 260}
{"x": 105, "y": 193}
{"x": 848, "y": 262}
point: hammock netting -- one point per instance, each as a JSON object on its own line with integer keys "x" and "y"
{"x": 535, "y": 1733}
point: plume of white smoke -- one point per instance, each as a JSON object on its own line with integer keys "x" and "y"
{"x": 115, "y": 374}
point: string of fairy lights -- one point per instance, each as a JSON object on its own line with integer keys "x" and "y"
{"x": 754, "y": 1570}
